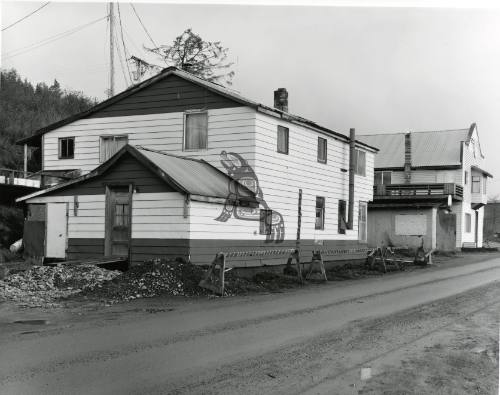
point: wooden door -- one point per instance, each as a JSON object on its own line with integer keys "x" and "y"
{"x": 118, "y": 221}
{"x": 56, "y": 231}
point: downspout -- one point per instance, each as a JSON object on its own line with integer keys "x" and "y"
{"x": 352, "y": 169}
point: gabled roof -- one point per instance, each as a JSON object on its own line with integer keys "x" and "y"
{"x": 219, "y": 89}
{"x": 441, "y": 148}
{"x": 190, "y": 176}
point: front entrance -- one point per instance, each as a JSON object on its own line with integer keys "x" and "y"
{"x": 118, "y": 221}
{"x": 57, "y": 230}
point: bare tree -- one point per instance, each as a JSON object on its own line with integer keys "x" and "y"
{"x": 205, "y": 59}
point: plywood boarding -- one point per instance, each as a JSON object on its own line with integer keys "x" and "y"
{"x": 410, "y": 224}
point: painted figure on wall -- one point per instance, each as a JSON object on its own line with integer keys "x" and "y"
{"x": 243, "y": 174}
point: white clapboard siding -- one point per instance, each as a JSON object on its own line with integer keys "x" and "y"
{"x": 281, "y": 176}
{"x": 229, "y": 129}
{"x": 159, "y": 216}
{"x": 204, "y": 225}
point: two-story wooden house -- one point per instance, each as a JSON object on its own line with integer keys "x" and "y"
{"x": 429, "y": 185}
{"x": 178, "y": 166}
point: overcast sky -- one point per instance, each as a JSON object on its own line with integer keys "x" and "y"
{"x": 376, "y": 69}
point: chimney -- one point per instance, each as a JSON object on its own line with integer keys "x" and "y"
{"x": 407, "y": 168}
{"x": 281, "y": 99}
{"x": 352, "y": 170}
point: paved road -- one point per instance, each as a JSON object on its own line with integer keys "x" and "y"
{"x": 160, "y": 351}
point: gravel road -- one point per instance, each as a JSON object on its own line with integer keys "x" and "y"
{"x": 312, "y": 340}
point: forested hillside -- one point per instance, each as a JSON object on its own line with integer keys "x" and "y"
{"x": 24, "y": 108}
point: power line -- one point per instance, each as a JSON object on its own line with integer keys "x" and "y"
{"x": 142, "y": 24}
{"x": 48, "y": 40}
{"x": 27, "y": 16}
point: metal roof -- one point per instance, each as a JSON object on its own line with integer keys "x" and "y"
{"x": 428, "y": 149}
{"x": 36, "y": 137}
{"x": 186, "y": 175}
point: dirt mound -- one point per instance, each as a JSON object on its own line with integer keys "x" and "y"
{"x": 43, "y": 285}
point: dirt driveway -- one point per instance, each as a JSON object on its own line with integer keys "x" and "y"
{"x": 431, "y": 331}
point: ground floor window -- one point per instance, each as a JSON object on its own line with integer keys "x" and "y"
{"x": 266, "y": 221}
{"x": 342, "y": 223}
{"x": 320, "y": 213}
{"x": 362, "y": 214}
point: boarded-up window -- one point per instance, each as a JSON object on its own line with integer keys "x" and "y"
{"x": 383, "y": 177}
{"x": 476, "y": 184}
{"x": 468, "y": 222}
{"x": 362, "y": 214}
{"x": 66, "y": 148}
{"x": 322, "y": 148}
{"x": 320, "y": 213}
{"x": 360, "y": 163}
{"x": 282, "y": 140}
{"x": 266, "y": 221}
{"x": 110, "y": 145}
{"x": 196, "y": 131}
{"x": 410, "y": 224}
{"x": 342, "y": 223}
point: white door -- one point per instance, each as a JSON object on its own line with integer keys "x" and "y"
{"x": 56, "y": 230}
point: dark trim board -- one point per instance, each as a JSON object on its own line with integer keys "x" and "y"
{"x": 202, "y": 252}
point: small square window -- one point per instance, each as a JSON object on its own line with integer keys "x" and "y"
{"x": 196, "y": 131}
{"x": 266, "y": 221}
{"x": 322, "y": 149}
{"x": 282, "y": 140}
{"x": 66, "y": 148}
{"x": 320, "y": 213}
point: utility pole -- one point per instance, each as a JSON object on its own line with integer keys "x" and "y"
{"x": 111, "y": 52}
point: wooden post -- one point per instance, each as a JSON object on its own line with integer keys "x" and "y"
{"x": 25, "y": 160}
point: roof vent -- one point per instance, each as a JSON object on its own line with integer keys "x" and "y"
{"x": 281, "y": 99}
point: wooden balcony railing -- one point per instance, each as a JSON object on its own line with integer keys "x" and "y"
{"x": 17, "y": 177}
{"x": 412, "y": 191}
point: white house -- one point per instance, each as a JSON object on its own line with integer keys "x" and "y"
{"x": 176, "y": 129}
{"x": 431, "y": 185}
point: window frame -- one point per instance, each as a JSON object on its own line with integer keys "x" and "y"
{"x": 184, "y": 130}
{"x": 382, "y": 173}
{"x": 59, "y": 147}
{"x": 102, "y": 137}
{"x": 476, "y": 181}
{"x": 321, "y": 225}
{"x": 320, "y": 141}
{"x": 356, "y": 168}
{"x": 287, "y": 139}
{"x": 265, "y": 227}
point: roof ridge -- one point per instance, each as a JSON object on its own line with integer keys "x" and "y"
{"x": 418, "y": 131}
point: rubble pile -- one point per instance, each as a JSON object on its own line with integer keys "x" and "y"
{"x": 153, "y": 278}
{"x": 42, "y": 285}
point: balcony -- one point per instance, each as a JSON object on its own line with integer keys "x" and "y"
{"x": 14, "y": 184}
{"x": 417, "y": 192}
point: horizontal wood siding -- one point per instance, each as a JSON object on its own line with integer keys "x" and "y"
{"x": 229, "y": 129}
{"x": 428, "y": 176}
{"x": 85, "y": 248}
{"x": 281, "y": 176}
{"x": 126, "y": 170}
{"x": 172, "y": 94}
{"x": 159, "y": 216}
{"x": 146, "y": 249}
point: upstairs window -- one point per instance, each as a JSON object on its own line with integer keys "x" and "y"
{"x": 282, "y": 147}
{"x": 322, "y": 148}
{"x": 383, "y": 177}
{"x": 196, "y": 131}
{"x": 320, "y": 213}
{"x": 476, "y": 184}
{"x": 110, "y": 145}
{"x": 66, "y": 148}
{"x": 360, "y": 158}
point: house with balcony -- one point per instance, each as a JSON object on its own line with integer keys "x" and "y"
{"x": 430, "y": 187}
{"x": 177, "y": 166}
